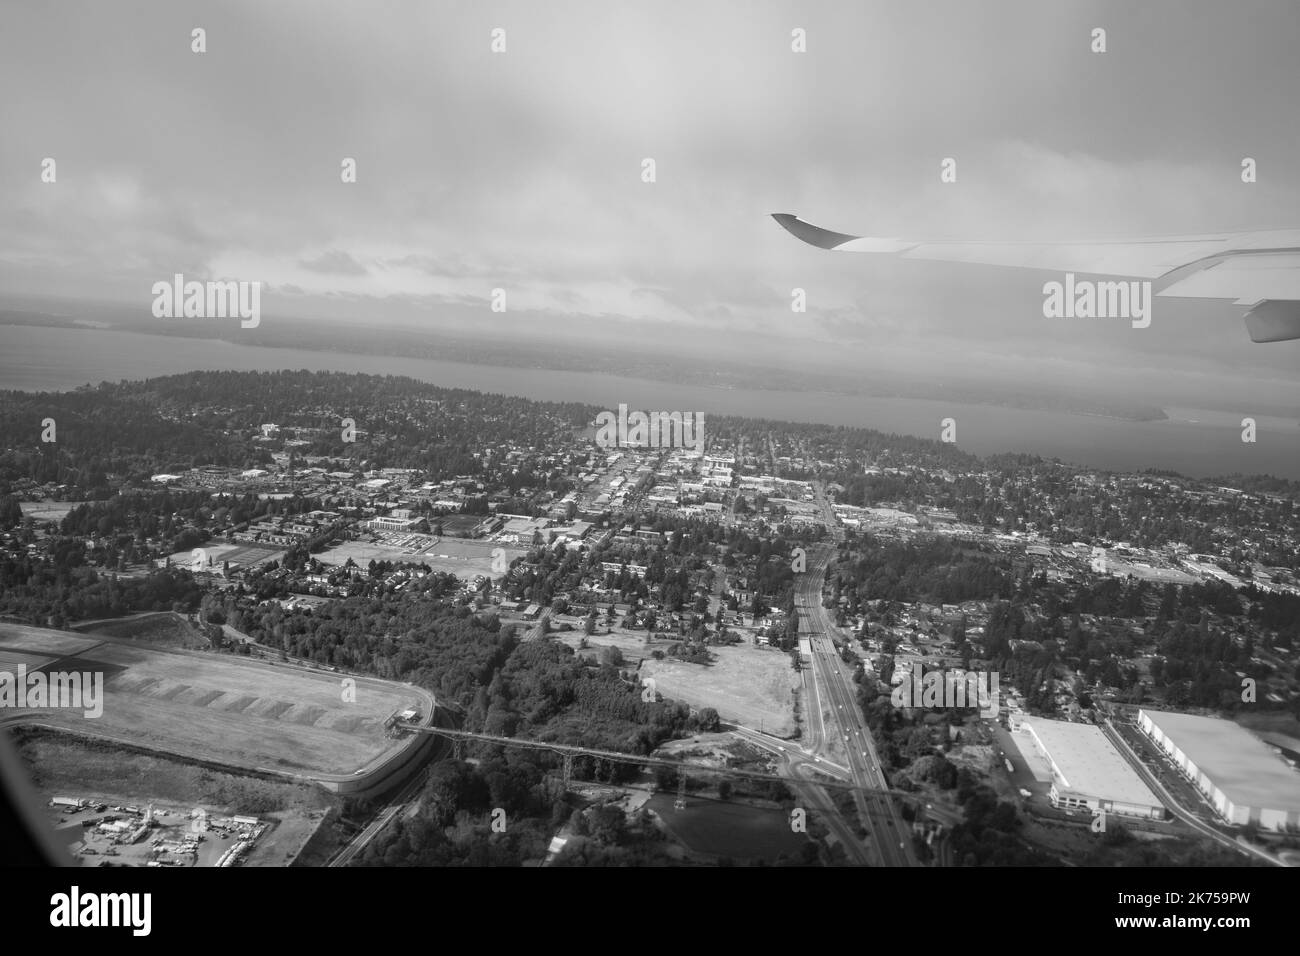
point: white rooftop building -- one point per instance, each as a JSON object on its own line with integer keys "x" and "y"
{"x": 1088, "y": 772}
{"x": 1237, "y": 772}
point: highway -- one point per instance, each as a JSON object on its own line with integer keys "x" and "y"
{"x": 834, "y": 695}
{"x": 845, "y": 729}
{"x": 837, "y": 749}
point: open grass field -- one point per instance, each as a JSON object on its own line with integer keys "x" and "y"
{"x": 247, "y": 555}
{"x": 160, "y": 629}
{"x": 459, "y": 557}
{"x": 215, "y": 554}
{"x": 47, "y": 510}
{"x": 1120, "y": 568}
{"x": 746, "y": 684}
{"x": 459, "y": 526}
{"x": 10, "y": 661}
{"x": 631, "y": 643}
{"x": 246, "y": 713}
{"x": 18, "y": 639}
{"x": 66, "y": 766}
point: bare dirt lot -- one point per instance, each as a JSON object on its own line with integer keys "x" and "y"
{"x": 723, "y": 749}
{"x": 745, "y": 684}
{"x": 225, "y": 708}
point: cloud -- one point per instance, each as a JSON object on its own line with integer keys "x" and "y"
{"x": 335, "y": 262}
{"x": 522, "y": 170}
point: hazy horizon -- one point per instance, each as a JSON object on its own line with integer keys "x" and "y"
{"x": 522, "y": 170}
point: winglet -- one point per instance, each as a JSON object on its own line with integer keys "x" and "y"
{"x": 1274, "y": 320}
{"x": 813, "y": 235}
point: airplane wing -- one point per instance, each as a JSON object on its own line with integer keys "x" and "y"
{"x": 1256, "y": 269}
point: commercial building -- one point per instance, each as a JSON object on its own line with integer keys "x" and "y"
{"x": 214, "y": 476}
{"x": 1088, "y": 772}
{"x": 574, "y": 531}
{"x": 1240, "y": 776}
{"x": 399, "y": 520}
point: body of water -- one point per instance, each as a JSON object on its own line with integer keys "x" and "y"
{"x": 1197, "y": 442}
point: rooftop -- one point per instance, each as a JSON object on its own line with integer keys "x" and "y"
{"x": 1089, "y": 763}
{"x": 1238, "y": 762}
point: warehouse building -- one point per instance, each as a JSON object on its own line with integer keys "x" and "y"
{"x": 1088, "y": 773}
{"x": 1240, "y": 776}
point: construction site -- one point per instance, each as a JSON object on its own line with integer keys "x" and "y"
{"x": 103, "y": 835}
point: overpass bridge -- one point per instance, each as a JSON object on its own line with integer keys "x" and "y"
{"x": 684, "y": 768}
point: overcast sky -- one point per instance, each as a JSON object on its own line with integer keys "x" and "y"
{"x": 523, "y": 169}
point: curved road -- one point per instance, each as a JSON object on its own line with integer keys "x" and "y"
{"x": 801, "y": 767}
